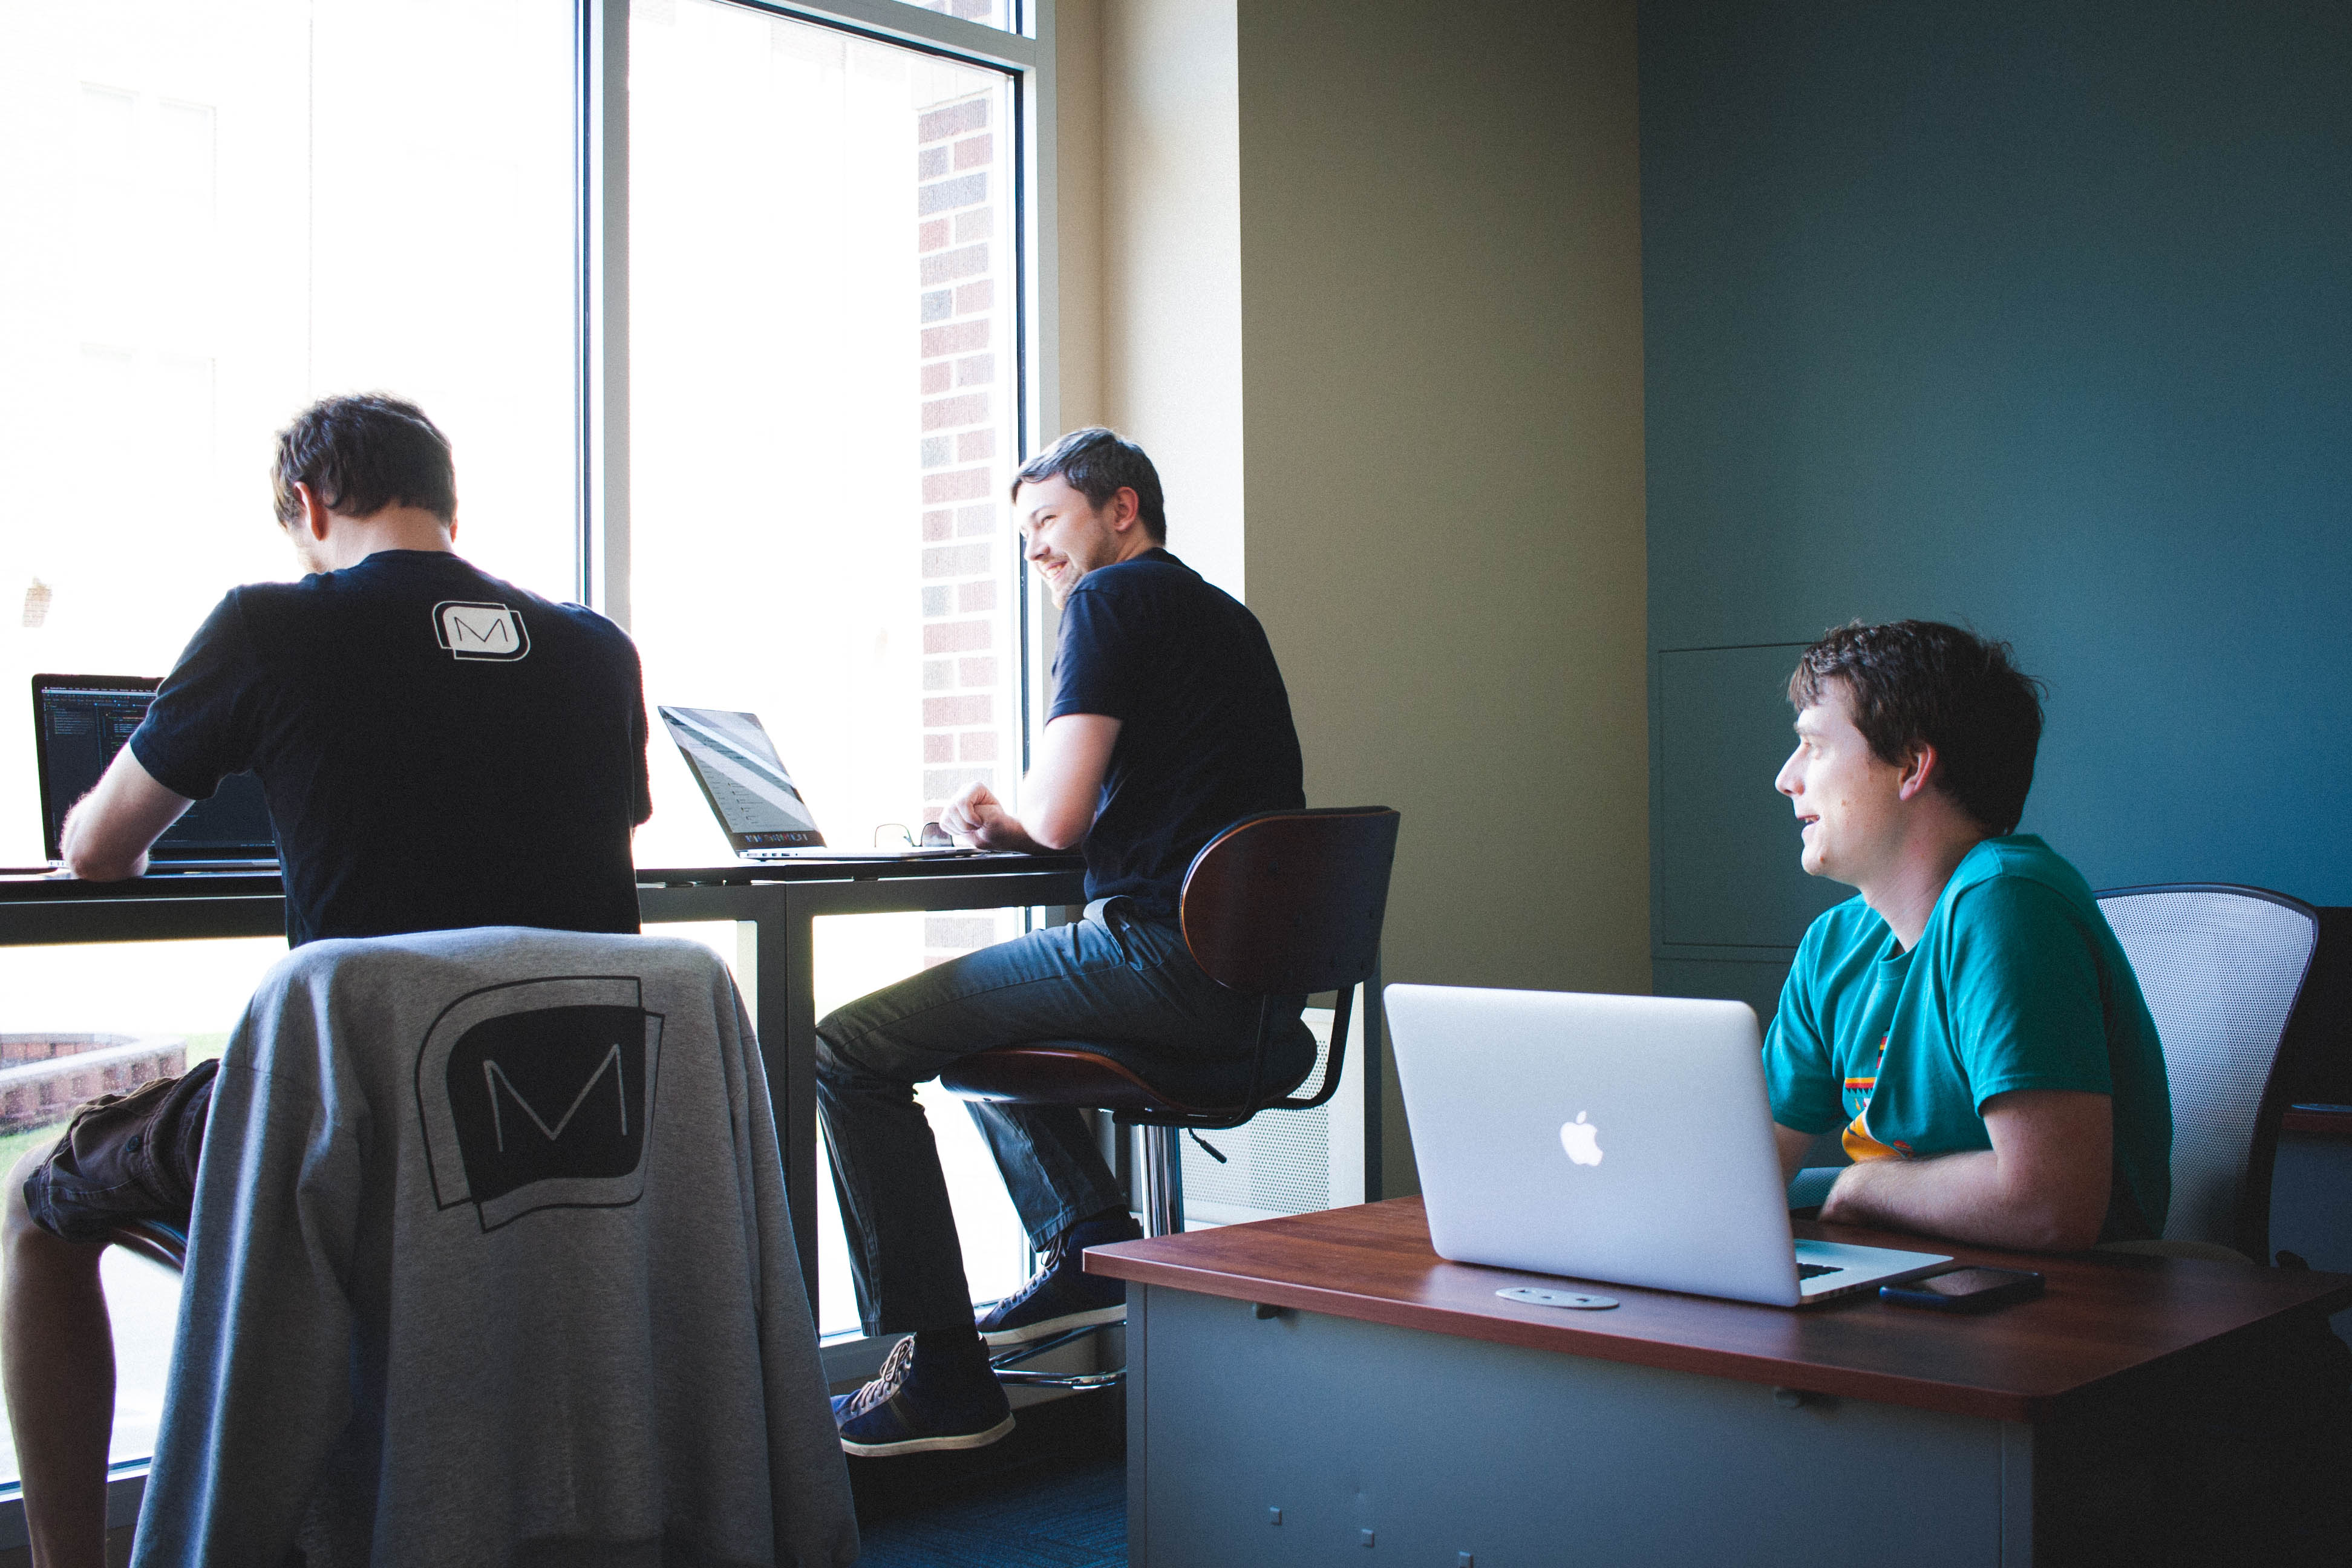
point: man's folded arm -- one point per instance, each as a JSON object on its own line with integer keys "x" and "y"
{"x": 1791, "y": 1145}
{"x": 2043, "y": 1185}
{"x": 110, "y": 830}
{"x": 1059, "y": 797}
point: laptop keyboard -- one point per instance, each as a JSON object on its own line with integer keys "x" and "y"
{"x": 1815, "y": 1271}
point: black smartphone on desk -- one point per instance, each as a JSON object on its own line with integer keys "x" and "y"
{"x": 1965, "y": 1289}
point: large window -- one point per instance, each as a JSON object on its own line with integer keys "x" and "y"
{"x": 824, "y": 408}
{"x": 219, "y": 210}
{"x": 222, "y": 209}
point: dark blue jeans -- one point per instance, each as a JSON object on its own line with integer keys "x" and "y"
{"x": 1109, "y": 977}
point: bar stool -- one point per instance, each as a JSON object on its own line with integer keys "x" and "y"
{"x": 1283, "y": 903}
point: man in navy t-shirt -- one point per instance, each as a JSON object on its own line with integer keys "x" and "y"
{"x": 440, "y": 749}
{"x": 1168, "y": 721}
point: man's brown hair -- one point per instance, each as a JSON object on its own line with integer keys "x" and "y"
{"x": 1911, "y": 681}
{"x": 1099, "y": 464}
{"x": 362, "y": 453}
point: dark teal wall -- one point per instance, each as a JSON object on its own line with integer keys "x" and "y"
{"x": 2036, "y": 316}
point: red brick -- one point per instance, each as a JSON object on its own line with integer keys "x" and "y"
{"x": 974, "y": 150}
{"x": 957, "y": 636}
{"x": 976, "y": 745}
{"x": 975, "y": 446}
{"x": 931, "y": 236}
{"x": 976, "y": 370}
{"x": 936, "y": 377}
{"x": 946, "y": 413}
{"x": 971, "y": 519}
{"x": 962, "y": 338}
{"x": 955, "y": 560}
{"x": 976, "y": 672}
{"x": 963, "y": 484}
{"x": 938, "y": 525}
{"x": 937, "y": 748}
{"x": 930, "y": 162}
{"x": 976, "y": 598}
{"x": 948, "y": 712}
{"x": 977, "y": 224}
{"x": 949, "y": 265}
{"x": 953, "y": 120}
{"x": 979, "y": 296}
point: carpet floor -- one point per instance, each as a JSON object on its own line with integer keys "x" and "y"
{"x": 1051, "y": 1495}
{"x": 1073, "y": 1517}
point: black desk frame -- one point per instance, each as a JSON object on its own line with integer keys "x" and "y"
{"x": 779, "y": 903}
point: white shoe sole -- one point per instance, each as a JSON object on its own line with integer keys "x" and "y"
{"x": 928, "y": 1445}
{"x": 1007, "y": 1338}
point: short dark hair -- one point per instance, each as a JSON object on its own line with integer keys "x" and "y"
{"x": 1099, "y": 464}
{"x": 1911, "y": 681}
{"x": 360, "y": 454}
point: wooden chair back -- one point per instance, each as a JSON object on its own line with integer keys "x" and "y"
{"x": 1291, "y": 901}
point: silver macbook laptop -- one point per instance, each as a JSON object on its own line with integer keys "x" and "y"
{"x": 758, "y": 805}
{"x": 1624, "y": 1139}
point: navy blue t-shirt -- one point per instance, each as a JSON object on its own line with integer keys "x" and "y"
{"x": 1204, "y": 723}
{"x": 440, "y": 749}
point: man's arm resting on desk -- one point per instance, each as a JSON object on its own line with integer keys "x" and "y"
{"x": 2043, "y": 1185}
{"x": 1059, "y": 795}
{"x": 110, "y": 830}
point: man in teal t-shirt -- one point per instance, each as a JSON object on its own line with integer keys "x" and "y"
{"x": 1969, "y": 1020}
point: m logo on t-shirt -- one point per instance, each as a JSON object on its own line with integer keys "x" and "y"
{"x": 540, "y": 1095}
{"x": 491, "y": 632}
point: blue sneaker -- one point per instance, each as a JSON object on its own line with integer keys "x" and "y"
{"x": 912, "y": 1410}
{"x": 1062, "y": 1295}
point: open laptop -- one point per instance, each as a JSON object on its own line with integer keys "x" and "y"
{"x": 79, "y": 721}
{"x": 758, "y": 805}
{"x": 1624, "y": 1139}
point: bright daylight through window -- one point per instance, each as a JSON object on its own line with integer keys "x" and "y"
{"x": 222, "y": 209}
{"x": 823, "y": 400}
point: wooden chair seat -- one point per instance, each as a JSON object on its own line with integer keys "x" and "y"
{"x": 1139, "y": 1085}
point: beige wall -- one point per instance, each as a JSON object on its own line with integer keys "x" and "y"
{"x": 1436, "y": 432}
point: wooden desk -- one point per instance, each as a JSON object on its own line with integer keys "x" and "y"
{"x": 774, "y": 906}
{"x": 1394, "y": 1393}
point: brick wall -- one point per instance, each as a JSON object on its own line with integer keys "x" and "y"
{"x": 970, "y": 668}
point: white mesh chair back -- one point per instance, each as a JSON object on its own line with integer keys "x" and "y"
{"x": 2220, "y": 968}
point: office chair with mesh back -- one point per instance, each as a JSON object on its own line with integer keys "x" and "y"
{"x": 2221, "y": 967}
{"x": 1283, "y": 903}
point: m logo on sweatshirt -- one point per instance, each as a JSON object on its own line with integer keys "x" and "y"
{"x": 490, "y": 632}
{"x": 539, "y": 1094}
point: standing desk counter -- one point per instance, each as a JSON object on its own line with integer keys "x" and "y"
{"x": 774, "y": 905}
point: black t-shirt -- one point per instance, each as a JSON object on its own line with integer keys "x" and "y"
{"x": 1204, "y": 734}
{"x": 440, "y": 749}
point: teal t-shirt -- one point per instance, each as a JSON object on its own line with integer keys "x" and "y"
{"x": 2017, "y": 983}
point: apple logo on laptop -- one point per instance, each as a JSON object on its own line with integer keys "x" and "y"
{"x": 1581, "y": 1140}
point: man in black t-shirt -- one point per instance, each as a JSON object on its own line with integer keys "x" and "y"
{"x": 1168, "y": 721}
{"x": 440, "y": 749}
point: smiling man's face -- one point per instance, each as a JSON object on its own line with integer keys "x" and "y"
{"x": 1847, "y": 799}
{"x": 1064, "y": 536}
